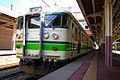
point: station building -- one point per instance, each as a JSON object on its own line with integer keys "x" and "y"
{"x": 7, "y": 30}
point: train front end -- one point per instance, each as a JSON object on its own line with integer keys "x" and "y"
{"x": 28, "y": 37}
{"x": 55, "y": 36}
{"x": 29, "y": 45}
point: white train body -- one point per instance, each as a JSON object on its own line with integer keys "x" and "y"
{"x": 62, "y": 39}
{"x": 55, "y": 36}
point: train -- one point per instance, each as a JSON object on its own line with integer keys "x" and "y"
{"x": 45, "y": 40}
{"x": 116, "y": 46}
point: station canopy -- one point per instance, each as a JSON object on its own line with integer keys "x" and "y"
{"x": 93, "y": 11}
{"x": 7, "y": 21}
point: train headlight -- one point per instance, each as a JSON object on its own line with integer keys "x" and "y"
{"x": 46, "y": 35}
{"x": 55, "y": 36}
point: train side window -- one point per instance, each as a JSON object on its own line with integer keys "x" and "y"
{"x": 57, "y": 21}
{"x": 73, "y": 31}
{"x": 76, "y": 34}
{"x": 69, "y": 21}
{"x": 64, "y": 21}
{"x": 72, "y": 25}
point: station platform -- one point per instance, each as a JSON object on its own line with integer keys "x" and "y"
{"x": 88, "y": 67}
{"x": 8, "y": 59}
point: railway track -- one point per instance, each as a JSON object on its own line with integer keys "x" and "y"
{"x": 6, "y": 71}
{"x": 15, "y": 76}
{"x": 13, "y": 73}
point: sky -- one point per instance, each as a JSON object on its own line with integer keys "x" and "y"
{"x": 21, "y": 7}
{"x": 7, "y": 3}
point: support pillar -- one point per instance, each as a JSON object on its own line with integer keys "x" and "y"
{"x": 108, "y": 33}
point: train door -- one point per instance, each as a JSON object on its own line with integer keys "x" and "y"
{"x": 32, "y": 39}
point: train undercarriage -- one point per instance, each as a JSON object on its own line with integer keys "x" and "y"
{"x": 39, "y": 68}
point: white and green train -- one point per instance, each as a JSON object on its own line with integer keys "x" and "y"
{"x": 51, "y": 36}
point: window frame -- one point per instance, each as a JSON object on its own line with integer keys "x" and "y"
{"x": 61, "y": 22}
{"x": 28, "y": 19}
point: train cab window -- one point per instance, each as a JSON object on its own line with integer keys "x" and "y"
{"x": 52, "y": 20}
{"x": 20, "y": 22}
{"x": 33, "y": 22}
{"x": 55, "y": 21}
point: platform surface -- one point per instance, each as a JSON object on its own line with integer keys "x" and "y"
{"x": 65, "y": 72}
{"x": 8, "y": 58}
{"x": 88, "y": 69}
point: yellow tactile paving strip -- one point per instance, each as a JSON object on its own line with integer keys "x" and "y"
{"x": 8, "y": 65}
{"x": 91, "y": 73}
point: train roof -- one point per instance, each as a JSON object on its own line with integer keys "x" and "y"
{"x": 56, "y": 12}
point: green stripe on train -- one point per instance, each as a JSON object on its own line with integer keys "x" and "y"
{"x": 49, "y": 46}
{"x": 19, "y": 44}
{"x": 33, "y": 46}
{"x": 45, "y": 46}
{"x": 59, "y": 47}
